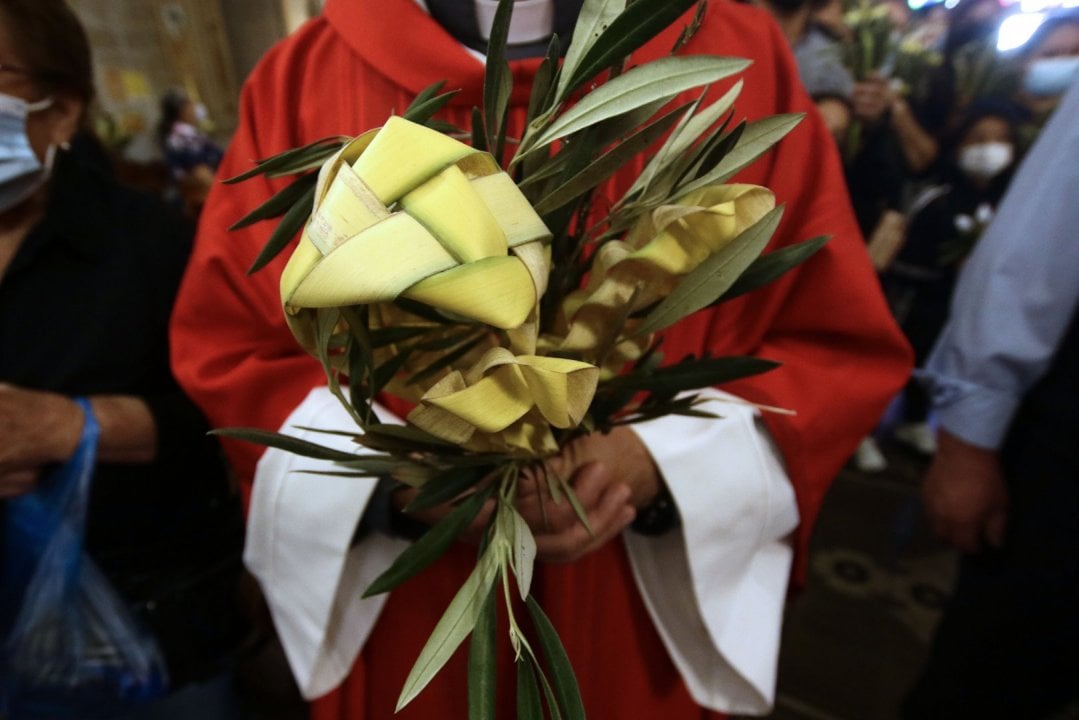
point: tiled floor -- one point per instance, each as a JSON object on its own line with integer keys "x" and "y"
{"x": 855, "y": 638}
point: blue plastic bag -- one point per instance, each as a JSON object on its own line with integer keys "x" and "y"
{"x": 74, "y": 650}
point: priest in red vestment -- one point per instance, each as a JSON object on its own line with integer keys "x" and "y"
{"x": 684, "y": 624}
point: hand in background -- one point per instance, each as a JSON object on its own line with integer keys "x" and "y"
{"x": 871, "y": 99}
{"x": 36, "y": 429}
{"x": 965, "y": 496}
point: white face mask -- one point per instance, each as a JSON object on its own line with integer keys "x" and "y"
{"x": 984, "y": 161}
{"x": 21, "y": 173}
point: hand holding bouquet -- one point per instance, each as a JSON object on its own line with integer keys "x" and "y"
{"x": 514, "y": 314}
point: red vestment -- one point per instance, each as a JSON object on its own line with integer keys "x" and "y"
{"x": 826, "y": 322}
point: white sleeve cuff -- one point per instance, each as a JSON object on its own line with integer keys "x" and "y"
{"x": 719, "y": 607}
{"x": 299, "y": 545}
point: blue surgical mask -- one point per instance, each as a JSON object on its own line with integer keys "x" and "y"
{"x": 1051, "y": 76}
{"x": 21, "y": 173}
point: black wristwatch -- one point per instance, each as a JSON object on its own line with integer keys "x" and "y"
{"x": 381, "y": 516}
{"x": 658, "y": 517}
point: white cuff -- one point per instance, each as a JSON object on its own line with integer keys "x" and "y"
{"x": 299, "y": 533}
{"x": 719, "y": 607}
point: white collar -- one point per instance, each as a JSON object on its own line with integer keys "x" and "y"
{"x": 532, "y": 21}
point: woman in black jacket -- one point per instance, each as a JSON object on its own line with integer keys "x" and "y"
{"x": 88, "y": 272}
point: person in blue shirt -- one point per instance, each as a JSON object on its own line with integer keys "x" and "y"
{"x": 1004, "y": 486}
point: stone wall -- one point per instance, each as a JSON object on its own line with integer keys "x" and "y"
{"x": 142, "y": 48}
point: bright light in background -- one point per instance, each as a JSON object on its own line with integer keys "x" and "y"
{"x": 1016, "y": 29}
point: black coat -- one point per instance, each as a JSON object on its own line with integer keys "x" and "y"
{"x": 84, "y": 309}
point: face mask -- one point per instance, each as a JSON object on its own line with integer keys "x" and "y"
{"x": 985, "y": 161}
{"x": 21, "y": 173}
{"x": 1051, "y": 76}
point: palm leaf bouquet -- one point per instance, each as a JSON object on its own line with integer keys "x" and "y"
{"x": 477, "y": 277}
{"x": 870, "y": 49}
{"x": 913, "y": 68}
{"x": 872, "y": 45}
{"x": 876, "y": 48}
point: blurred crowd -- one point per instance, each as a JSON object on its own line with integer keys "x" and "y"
{"x": 961, "y": 171}
{"x": 933, "y": 109}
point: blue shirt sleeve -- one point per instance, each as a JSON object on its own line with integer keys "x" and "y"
{"x": 1017, "y": 292}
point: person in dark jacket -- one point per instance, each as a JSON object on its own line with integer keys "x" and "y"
{"x": 88, "y": 273}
